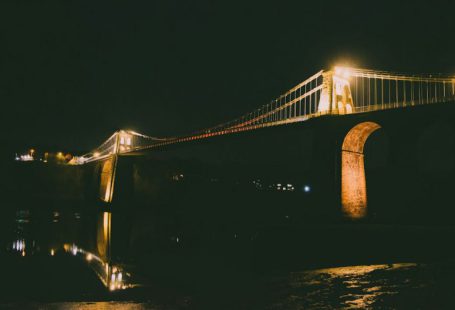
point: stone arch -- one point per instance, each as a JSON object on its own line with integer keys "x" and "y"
{"x": 353, "y": 181}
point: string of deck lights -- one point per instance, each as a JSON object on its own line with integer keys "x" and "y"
{"x": 358, "y": 91}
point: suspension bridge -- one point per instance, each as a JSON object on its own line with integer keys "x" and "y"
{"x": 314, "y": 178}
{"x": 340, "y": 91}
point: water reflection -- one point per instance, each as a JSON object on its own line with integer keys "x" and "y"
{"x": 42, "y": 231}
{"x": 110, "y": 305}
{"x": 354, "y": 287}
{"x": 381, "y": 286}
{"x": 53, "y": 231}
{"x": 21, "y": 242}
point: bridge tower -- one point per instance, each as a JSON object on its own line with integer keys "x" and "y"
{"x": 122, "y": 142}
{"x": 336, "y": 96}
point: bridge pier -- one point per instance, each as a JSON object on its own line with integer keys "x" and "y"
{"x": 353, "y": 180}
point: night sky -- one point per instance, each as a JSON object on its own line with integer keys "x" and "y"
{"x": 72, "y": 72}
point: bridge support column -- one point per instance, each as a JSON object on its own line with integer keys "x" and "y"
{"x": 108, "y": 170}
{"x": 106, "y": 193}
{"x": 353, "y": 180}
{"x": 107, "y": 179}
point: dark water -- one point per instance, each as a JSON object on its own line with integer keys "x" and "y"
{"x": 392, "y": 286}
{"x": 34, "y": 279}
{"x": 388, "y": 286}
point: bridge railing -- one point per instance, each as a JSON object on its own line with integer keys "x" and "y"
{"x": 297, "y": 104}
{"x": 335, "y": 92}
{"x": 394, "y": 90}
{"x": 105, "y": 150}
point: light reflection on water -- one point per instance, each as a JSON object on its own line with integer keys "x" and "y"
{"x": 392, "y": 286}
{"x": 102, "y": 305}
{"x": 385, "y": 286}
{"x": 354, "y": 287}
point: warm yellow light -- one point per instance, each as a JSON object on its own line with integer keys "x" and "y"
{"x": 343, "y": 72}
{"x": 52, "y": 252}
{"x": 107, "y": 179}
{"x": 353, "y": 180}
{"x": 89, "y": 257}
{"x": 96, "y": 154}
{"x": 106, "y": 222}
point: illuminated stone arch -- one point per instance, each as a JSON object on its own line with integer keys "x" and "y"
{"x": 353, "y": 181}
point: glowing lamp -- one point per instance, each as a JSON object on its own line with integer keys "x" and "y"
{"x": 343, "y": 72}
